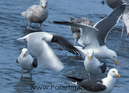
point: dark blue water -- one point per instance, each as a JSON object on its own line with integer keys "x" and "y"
{"x": 13, "y": 26}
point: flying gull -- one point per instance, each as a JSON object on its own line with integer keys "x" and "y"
{"x": 27, "y": 61}
{"x": 104, "y": 85}
{"x": 37, "y": 45}
{"x": 92, "y": 65}
{"x": 95, "y": 37}
{"x": 75, "y": 30}
{"x": 36, "y": 13}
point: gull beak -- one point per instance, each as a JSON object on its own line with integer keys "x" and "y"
{"x": 116, "y": 62}
{"x": 44, "y": 6}
{"x": 117, "y": 75}
{"x": 24, "y": 55}
{"x": 90, "y": 57}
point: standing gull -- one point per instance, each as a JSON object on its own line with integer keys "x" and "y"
{"x": 36, "y": 13}
{"x": 95, "y": 37}
{"x": 75, "y": 30}
{"x": 104, "y": 85}
{"x": 92, "y": 65}
{"x": 37, "y": 45}
{"x": 26, "y": 61}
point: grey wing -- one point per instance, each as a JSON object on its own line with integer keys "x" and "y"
{"x": 105, "y": 25}
{"x": 31, "y": 8}
{"x": 92, "y": 85}
{"x": 28, "y": 13}
{"x": 84, "y": 21}
{"x": 88, "y": 33}
{"x": 88, "y": 37}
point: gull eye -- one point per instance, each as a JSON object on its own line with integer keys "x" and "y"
{"x": 114, "y": 57}
{"x": 113, "y": 71}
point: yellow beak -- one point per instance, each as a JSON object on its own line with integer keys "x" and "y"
{"x": 24, "y": 55}
{"x": 116, "y": 62}
{"x": 117, "y": 75}
{"x": 90, "y": 57}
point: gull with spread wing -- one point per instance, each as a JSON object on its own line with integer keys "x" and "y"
{"x": 37, "y": 45}
{"x": 95, "y": 37}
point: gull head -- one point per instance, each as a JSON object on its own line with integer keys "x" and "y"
{"x": 113, "y": 56}
{"x": 113, "y": 72}
{"x": 90, "y": 53}
{"x": 43, "y": 3}
{"x": 24, "y": 52}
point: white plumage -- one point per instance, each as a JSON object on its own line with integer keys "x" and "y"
{"x": 26, "y": 61}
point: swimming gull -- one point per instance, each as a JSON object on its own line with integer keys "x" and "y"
{"x": 36, "y": 13}
{"x": 92, "y": 65}
{"x": 104, "y": 85}
{"x": 95, "y": 37}
{"x": 37, "y": 45}
{"x": 27, "y": 61}
{"x": 75, "y": 30}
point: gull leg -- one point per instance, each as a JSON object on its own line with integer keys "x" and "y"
{"x": 89, "y": 76}
{"x": 30, "y": 75}
{"x": 122, "y": 30}
{"x": 22, "y": 74}
{"x": 40, "y": 26}
{"x": 75, "y": 41}
{"x": 28, "y": 26}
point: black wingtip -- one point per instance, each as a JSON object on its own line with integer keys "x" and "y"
{"x": 103, "y": 67}
{"x": 35, "y": 62}
{"x": 65, "y": 44}
{"x": 61, "y": 22}
{"x": 17, "y": 61}
{"x": 74, "y": 79}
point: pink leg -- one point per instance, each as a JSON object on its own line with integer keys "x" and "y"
{"x": 28, "y": 26}
{"x": 40, "y": 25}
{"x": 122, "y": 30}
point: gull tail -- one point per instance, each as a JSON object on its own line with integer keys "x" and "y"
{"x": 23, "y": 14}
{"x": 23, "y": 37}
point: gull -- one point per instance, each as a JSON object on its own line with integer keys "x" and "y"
{"x": 37, "y": 45}
{"x": 125, "y": 19}
{"x": 76, "y": 31}
{"x": 95, "y": 37}
{"x": 26, "y": 61}
{"x": 92, "y": 65}
{"x": 104, "y": 85}
{"x": 36, "y": 13}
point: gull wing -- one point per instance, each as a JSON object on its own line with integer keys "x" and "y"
{"x": 41, "y": 50}
{"x": 107, "y": 24}
{"x": 92, "y": 85}
{"x": 88, "y": 33}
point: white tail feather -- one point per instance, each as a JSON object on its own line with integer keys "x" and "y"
{"x": 23, "y": 14}
{"x": 23, "y": 37}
